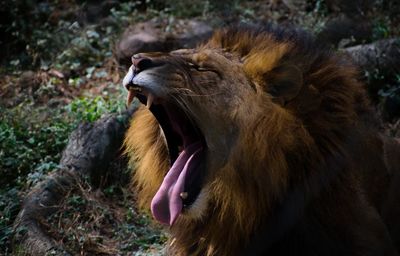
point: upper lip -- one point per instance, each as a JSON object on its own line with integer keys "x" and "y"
{"x": 136, "y": 89}
{"x": 127, "y": 81}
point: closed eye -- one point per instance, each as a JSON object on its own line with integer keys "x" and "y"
{"x": 203, "y": 69}
{"x": 192, "y": 65}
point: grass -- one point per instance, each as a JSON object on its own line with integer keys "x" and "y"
{"x": 103, "y": 222}
{"x": 31, "y": 143}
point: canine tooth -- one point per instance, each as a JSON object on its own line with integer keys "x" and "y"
{"x": 129, "y": 99}
{"x": 150, "y": 99}
{"x": 184, "y": 195}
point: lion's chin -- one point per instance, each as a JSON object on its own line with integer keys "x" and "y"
{"x": 182, "y": 184}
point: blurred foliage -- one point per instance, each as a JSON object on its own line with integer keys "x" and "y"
{"x": 30, "y": 141}
{"x": 17, "y": 22}
{"x": 381, "y": 28}
{"x": 9, "y": 207}
{"x": 31, "y": 146}
{"x": 42, "y": 34}
{"x": 89, "y": 110}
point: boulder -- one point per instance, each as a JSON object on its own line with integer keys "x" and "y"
{"x": 343, "y": 31}
{"x": 160, "y": 35}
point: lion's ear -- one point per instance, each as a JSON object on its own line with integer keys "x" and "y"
{"x": 284, "y": 83}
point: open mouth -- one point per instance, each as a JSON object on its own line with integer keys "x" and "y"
{"x": 186, "y": 146}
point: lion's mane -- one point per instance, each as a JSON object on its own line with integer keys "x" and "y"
{"x": 293, "y": 160}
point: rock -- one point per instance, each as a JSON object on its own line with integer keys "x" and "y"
{"x": 160, "y": 35}
{"x": 380, "y": 62}
{"x": 295, "y": 5}
{"x": 382, "y": 55}
{"x": 95, "y": 11}
{"x": 141, "y": 37}
{"x": 345, "y": 31}
{"x": 351, "y": 8}
{"x": 28, "y": 82}
{"x": 391, "y": 105}
{"x": 193, "y": 32}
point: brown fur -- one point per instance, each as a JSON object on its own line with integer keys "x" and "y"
{"x": 317, "y": 141}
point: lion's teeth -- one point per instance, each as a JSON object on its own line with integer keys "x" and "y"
{"x": 129, "y": 99}
{"x": 184, "y": 195}
{"x": 150, "y": 99}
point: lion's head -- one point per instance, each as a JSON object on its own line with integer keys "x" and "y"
{"x": 231, "y": 127}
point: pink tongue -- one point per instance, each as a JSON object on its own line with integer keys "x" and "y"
{"x": 167, "y": 203}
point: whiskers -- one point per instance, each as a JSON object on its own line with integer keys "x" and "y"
{"x": 182, "y": 104}
{"x": 189, "y": 93}
{"x": 184, "y": 97}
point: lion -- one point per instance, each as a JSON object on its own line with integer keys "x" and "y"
{"x": 261, "y": 142}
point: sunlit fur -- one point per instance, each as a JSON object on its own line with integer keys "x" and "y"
{"x": 311, "y": 143}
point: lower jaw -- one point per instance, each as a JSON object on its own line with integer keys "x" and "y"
{"x": 197, "y": 210}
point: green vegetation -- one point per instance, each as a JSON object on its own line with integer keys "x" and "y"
{"x": 31, "y": 144}
{"x": 381, "y": 28}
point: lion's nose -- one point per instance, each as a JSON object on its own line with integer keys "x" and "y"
{"x": 141, "y": 63}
